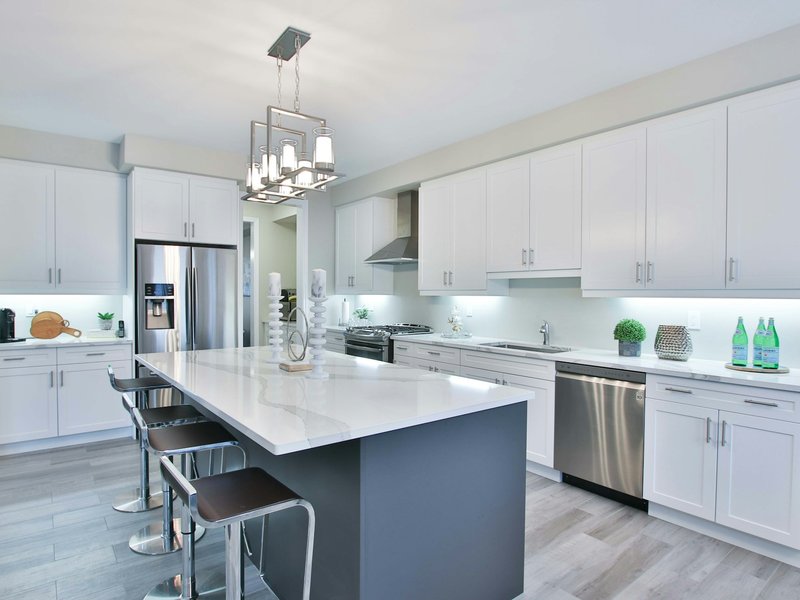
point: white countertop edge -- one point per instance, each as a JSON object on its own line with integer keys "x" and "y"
{"x": 63, "y": 341}
{"x": 694, "y": 368}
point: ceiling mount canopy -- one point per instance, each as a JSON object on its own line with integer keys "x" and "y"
{"x": 282, "y": 164}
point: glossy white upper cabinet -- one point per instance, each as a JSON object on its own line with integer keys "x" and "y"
{"x": 452, "y": 228}
{"x": 91, "y": 231}
{"x": 764, "y": 190}
{"x": 67, "y": 230}
{"x": 686, "y": 168}
{"x": 508, "y": 215}
{"x": 614, "y": 210}
{"x": 362, "y": 228}
{"x": 177, "y": 207}
{"x": 27, "y": 245}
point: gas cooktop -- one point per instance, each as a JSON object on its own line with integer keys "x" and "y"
{"x": 385, "y": 331}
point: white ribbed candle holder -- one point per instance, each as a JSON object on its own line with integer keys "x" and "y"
{"x": 316, "y": 339}
{"x": 275, "y": 330}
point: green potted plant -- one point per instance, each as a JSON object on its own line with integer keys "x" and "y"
{"x": 631, "y": 334}
{"x": 362, "y": 314}
{"x": 105, "y": 320}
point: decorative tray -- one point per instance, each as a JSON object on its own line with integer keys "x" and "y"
{"x": 756, "y": 369}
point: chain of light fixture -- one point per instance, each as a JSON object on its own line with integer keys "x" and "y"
{"x": 283, "y": 172}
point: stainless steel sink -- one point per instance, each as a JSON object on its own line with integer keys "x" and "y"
{"x": 527, "y": 347}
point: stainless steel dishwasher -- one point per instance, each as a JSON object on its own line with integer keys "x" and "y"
{"x": 599, "y": 423}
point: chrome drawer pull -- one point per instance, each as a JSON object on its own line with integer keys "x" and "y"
{"x": 401, "y": 347}
{"x": 432, "y": 353}
{"x": 95, "y": 354}
{"x": 679, "y": 390}
{"x": 723, "y": 432}
{"x": 774, "y": 404}
{"x": 15, "y": 358}
{"x": 708, "y": 430}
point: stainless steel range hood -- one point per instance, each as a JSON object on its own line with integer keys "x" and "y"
{"x": 404, "y": 249}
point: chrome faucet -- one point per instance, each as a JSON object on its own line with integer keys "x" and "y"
{"x": 545, "y": 331}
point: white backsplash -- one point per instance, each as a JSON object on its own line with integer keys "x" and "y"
{"x": 577, "y": 321}
{"x": 80, "y": 311}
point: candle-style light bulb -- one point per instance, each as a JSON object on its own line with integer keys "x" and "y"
{"x": 323, "y": 149}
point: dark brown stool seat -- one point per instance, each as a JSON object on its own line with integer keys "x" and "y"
{"x": 229, "y": 499}
{"x": 191, "y": 437}
{"x": 140, "y": 499}
{"x": 178, "y": 413}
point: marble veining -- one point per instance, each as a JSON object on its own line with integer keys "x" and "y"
{"x": 61, "y": 341}
{"x": 287, "y": 412}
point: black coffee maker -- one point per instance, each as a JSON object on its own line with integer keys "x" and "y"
{"x": 7, "y": 332}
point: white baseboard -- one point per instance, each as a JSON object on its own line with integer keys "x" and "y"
{"x": 542, "y": 470}
{"x": 65, "y": 441}
{"x": 726, "y": 534}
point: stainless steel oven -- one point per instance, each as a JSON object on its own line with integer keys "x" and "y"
{"x": 376, "y": 342}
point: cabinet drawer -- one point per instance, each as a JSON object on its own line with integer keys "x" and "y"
{"x": 742, "y": 399}
{"x": 332, "y": 347}
{"x": 27, "y": 358}
{"x": 435, "y": 353}
{"x": 513, "y": 365}
{"x": 334, "y": 337}
{"x": 103, "y": 353}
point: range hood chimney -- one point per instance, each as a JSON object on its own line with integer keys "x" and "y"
{"x": 404, "y": 249}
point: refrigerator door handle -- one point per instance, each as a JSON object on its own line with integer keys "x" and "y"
{"x": 194, "y": 308}
{"x": 189, "y": 307}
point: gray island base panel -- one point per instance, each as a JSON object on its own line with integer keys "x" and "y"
{"x": 417, "y": 479}
{"x": 431, "y": 512}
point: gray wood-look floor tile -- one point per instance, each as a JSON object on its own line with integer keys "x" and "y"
{"x": 61, "y": 540}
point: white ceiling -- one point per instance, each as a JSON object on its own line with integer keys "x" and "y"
{"x": 395, "y": 79}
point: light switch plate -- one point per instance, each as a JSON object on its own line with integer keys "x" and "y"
{"x": 693, "y": 320}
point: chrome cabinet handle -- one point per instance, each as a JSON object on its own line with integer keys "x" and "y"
{"x": 760, "y": 403}
{"x": 731, "y": 263}
{"x": 430, "y": 368}
{"x": 50, "y": 275}
{"x": 52, "y": 379}
{"x": 708, "y": 430}
{"x": 679, "y": 390}
{"x": 432, "y": 353}
{"x": 505, "y": 382}
{"x": 95, "y": 354}
{"x": 524, "y": 257}
{"x": 496, "y": 381}
{"x": 185, "y": 229}
{"x": 193, "y": 235}
{"x": 15, "y": 358}
{"x": 722, "y": 442}
{"x": 401, "y": 347}
{"x": 649, "y": 271}
{"x": 59, "y": 275}
{"x": 450, "y": 278}
{"x": 61, "y": 378}
{"x": 436, "y": 369}
{"x": 638, "y": 272}
{"x": 530, "y": 256}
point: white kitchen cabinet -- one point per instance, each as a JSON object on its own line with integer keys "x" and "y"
{"x": 686, "y": 200}
{"x": 177, "y": 207}
{"x": 91, "y": 232}
{"x": 429, "y": 357}
{"x": 334, "y": 341}
{"x": 362, "y": 228}
{"x": 28, "y": 402}
{"x": 763, "y": 189}
{"x": 86, "y": 401}
{"x": 67, "y": 230}
{"x": 711, "y": 452}
{"x": 614, "y": 205}
{"x": 534, "y": 214}
{"x": 452, "y": 244}
{"x": 27, "y": 245}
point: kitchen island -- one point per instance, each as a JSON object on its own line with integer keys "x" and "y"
{"x": 417, "y": 479}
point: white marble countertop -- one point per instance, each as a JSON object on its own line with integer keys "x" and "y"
{"x": 286, "y": 412}
{"x": 708, "y": 370}
{"x": 61, "y": 341}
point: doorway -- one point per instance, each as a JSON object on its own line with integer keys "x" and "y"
{"x": 250, "y": 250}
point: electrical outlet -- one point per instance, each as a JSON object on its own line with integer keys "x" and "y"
{"x": 693, "y": 320}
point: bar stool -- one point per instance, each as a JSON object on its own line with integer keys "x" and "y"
{"x": 176, "y": 440}
{"x": 140, "y": 500}
{"x": 227, "y": 500}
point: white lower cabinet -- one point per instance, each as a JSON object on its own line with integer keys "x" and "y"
{"x": 430, "y": 357}
{"x": 45, "y": 393}
{"x": 334, "y": 341}
{"x": 737, "y": 469}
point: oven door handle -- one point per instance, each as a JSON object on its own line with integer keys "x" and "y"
{"x": 370, "y": 349}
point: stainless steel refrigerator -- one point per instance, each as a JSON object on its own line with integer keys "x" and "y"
{"x": 186, "y": 298}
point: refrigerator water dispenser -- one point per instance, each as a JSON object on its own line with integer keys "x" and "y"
{"x": 159, "y": 305}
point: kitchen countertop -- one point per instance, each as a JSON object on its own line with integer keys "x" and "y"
{"x": 694, "y": 368}
{"x": 286, "y": 412}
{"x": 61, "y": 341}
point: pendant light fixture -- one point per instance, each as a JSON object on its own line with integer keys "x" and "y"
{"x": 291, "y": 153}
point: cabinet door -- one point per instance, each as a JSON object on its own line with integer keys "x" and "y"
{"x": 763, "y": 189}
{"x": 28, "y": 409}
{"x": 435, "y": 242}
{"x": 468, "y": 232}
{"x": 213, "y": 211}
{"x": 686, "y": 200}
{"x": 614, "y": 210}
{"x": 507, "y": 215}
{"x": 541, "y": 417}
{"x": 555, "y": 216}
{"x": 345, "y": 248}
{"x": 680, "y": 457}
{"x": 27, "y": 244}
{"x": 86, "y": 402}
{"x": 759, "y": 477}
{"x": 362, "y": 281}
{"x": 161, "y": 206}
{"x": 91, "y": 232}
{"x": 436, "y": 366}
